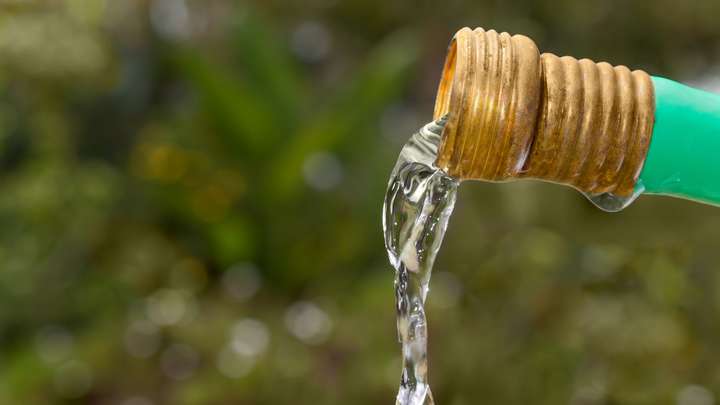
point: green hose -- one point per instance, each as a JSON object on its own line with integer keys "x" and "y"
{"x": 684, "y": 155}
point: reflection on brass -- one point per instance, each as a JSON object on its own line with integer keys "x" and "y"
{"x": 514, "y": 113}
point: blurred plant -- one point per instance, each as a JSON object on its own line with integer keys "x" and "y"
{"x": 127, "y": 194}
{"x": 190, "y": 195}
{"x": 265, "y": 125}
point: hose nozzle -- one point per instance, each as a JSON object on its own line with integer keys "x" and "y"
{"x": 513, "y": 113}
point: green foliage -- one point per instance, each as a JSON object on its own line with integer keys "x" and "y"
{"x": 190, "y": 202}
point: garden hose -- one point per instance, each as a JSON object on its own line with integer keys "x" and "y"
{"x": 605, "y": 130}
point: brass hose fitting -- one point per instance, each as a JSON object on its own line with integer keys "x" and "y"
{"x": 514, "y": 113}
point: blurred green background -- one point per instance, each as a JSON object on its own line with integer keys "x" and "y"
{"x": 190, "y": 199}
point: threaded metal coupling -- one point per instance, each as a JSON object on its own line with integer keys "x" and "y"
{"x": 513, "y": 113}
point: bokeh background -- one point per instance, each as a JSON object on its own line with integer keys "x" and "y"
{"x": 190, "y": 199}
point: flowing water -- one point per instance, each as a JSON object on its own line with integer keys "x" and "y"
{"x": 418, "y": 205}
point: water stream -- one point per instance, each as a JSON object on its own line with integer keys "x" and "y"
{"x": 418, "y": 204}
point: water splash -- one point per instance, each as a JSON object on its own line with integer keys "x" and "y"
{"x": 418, "y": 204}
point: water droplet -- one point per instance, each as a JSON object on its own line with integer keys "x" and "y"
{"x": 308, "y": 322}
{"x": 249, "y": 337}
{"x": 323, "y": 171}
{"x": 167, "y": 306}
